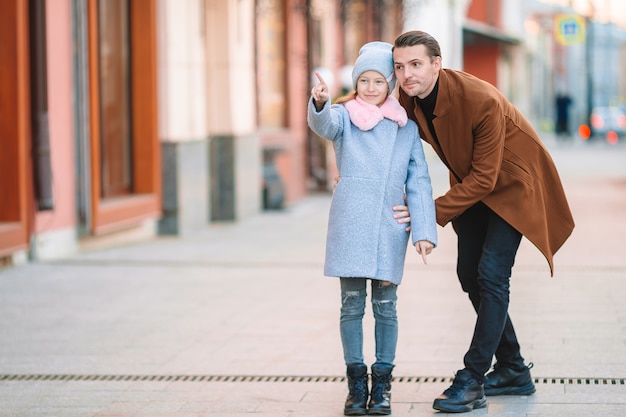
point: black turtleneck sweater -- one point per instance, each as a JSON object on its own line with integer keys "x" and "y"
{"x": 427, "y": 105}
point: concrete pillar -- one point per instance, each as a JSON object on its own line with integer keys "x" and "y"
{"x": 444, "y": 21}
{"x": 231, "y": 108}
{"x": 182, "y": 116}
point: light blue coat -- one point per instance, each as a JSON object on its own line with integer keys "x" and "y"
{"x": 376, "y": 169}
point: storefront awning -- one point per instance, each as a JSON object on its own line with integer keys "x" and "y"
{"x": 479, "y": 33}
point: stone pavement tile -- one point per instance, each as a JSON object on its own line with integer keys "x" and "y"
{"x": 596, "y": 393}
{"x": 545, "y": 391}
{"x": 37, "y": 411}
{"x": 504, "y": 407}
{"x": 121, "y": 407}
{"x": 576, "y": 410}
{"x": 38, "y": 398}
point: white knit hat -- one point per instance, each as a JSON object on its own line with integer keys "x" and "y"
{"x": 375, "y": 56}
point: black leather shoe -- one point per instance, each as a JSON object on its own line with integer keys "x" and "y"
{"x": 465, "y": 394}
{"x": 506, "y": 381}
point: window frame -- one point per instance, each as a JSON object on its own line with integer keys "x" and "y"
{"x": 15, "y": 129}
{"x": 117, "y": 213}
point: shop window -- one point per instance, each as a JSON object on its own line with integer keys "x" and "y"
{"x": 124, "y": 145}
{"x": 115, "y": 104}
{"x": 40, "y": 126}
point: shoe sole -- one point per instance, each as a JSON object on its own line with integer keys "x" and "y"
{"x": 359, "y": 412}
{"x": 379, "y": 412}
{"x": 461, "y": 408}
{"x": 527, "y": 389}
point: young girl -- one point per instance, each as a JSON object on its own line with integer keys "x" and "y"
{"x": 380, "y": 160}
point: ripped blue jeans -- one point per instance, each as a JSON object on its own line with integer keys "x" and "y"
{"x": 384, "y": 299}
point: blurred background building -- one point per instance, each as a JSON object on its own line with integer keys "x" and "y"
{"x": 127, "y": 119}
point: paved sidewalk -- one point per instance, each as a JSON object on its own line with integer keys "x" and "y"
{"x": 239, "y": 320}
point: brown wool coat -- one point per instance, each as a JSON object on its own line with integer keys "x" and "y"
{"x": 499, "y": 158}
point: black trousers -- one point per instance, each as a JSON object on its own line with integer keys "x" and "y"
{"x": 487, "y": 246}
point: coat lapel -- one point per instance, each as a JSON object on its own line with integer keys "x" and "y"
{"x": 425, "y": 132}
{"x": 442, "y": 120}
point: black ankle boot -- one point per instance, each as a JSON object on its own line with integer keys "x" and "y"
{"x": 380, "y": 400}
{"x": 357, "y": 386}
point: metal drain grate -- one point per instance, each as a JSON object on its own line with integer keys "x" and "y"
{"x": 279, "y": 379}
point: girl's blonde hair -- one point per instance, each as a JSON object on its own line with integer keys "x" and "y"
{"x": 347, "y": 97}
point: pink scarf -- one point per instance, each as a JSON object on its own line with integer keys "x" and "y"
{"x": 365, "y": 116}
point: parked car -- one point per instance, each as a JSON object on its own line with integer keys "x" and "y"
{"x": 608, "y": 122}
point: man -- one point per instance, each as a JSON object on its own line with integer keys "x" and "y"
{"x": 503, "y": 185}
{"x": 562, "y": 103}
